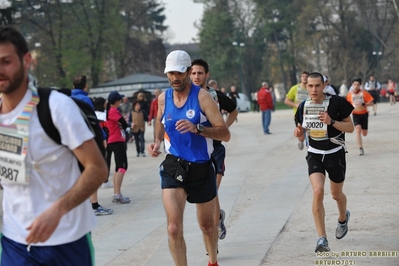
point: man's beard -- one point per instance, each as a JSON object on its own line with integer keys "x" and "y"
{"x": 201, "y": 85}
{"x": 14, "y": 82}
{"x": 182, "y": 86}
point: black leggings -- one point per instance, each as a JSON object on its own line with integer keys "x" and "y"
{"x": 119, "y": 150}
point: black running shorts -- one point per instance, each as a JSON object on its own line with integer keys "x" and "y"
{"x": 218, "y": 155}
{"x": 362, "y": 120}
{"x": 198, "y": 191}
{"x": 334, "y": 164}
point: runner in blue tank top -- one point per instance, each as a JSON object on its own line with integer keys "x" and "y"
{"x": 188, "y": 120}
{"x": 200, "y": 148}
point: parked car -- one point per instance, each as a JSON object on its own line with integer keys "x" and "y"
{"x": 243, "y": 103}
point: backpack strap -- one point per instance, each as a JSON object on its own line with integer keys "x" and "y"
{"x": 44, "y": 114}
{"x": 300, "y": 111}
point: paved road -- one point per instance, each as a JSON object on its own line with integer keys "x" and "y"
{"x": 267, "y": 199}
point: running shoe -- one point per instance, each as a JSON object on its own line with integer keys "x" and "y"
{"x": 300, "y": 145}
{"x": 107, "y": 185}
{"x": 121, "y": 200}
{"x": 342, "y": 229}
{"x": 221, "y": 228}
{"x": 322, "y": 245}
{"x": 361, "y": 151}
{"x": 102, "y": 211}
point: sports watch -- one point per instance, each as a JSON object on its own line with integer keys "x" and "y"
{"x": 332, "y": 122}
{"x": 200, "y": 129}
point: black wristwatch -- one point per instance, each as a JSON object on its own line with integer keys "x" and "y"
{"x": 200, "y": 129}
{"x": 332, "y": 122}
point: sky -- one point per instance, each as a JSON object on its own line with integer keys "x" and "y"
{"x": 180, "y": 18}
{"x": 5, "y": 3}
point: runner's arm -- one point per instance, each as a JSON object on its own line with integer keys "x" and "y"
{"x": 231, "y": 117}
{"x": 159, "y": 130}
{"x": 346, "y": 125}
{"x": 290, "y": 103}
{"x": 219, "y": 129}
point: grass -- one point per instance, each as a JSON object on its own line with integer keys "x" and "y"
{"x": 282, "y": 106}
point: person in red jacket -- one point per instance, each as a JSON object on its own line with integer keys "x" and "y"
{"x": 154, "y": 107}
{"x": 265, "y": 102}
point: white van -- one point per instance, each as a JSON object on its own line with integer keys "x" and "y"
{"x": 243, "y": 103}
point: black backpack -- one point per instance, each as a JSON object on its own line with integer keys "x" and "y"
{"x": 335, "y": 89}
{"x": 43, "y": 111}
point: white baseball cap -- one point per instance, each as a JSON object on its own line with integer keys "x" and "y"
{"x": 177, "y": 61}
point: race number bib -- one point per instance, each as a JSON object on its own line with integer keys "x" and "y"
{"x": 14, "y": 140}
{"x": 316, "y": 129}
{"x": 301, "y": 95}
{"x": 357, "y": 100}
{"x": 12, "y": 159}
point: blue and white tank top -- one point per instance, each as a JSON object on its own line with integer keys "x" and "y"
{"x": 188, "y": 146}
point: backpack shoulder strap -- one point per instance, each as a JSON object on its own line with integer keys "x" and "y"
{"x": 300, "y": 109}
{"x": 44, "y": 114}
{"x": 299, "y": 114}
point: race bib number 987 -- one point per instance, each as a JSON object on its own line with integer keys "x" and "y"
{"x": 12, "y": 160}
{"x": 8, "y": 173}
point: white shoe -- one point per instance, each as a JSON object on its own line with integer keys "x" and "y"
{"x": 107, "y": 185}
{"x": 300, "y": 145}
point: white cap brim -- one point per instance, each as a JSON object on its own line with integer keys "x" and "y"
{"x": 180, "y": 69}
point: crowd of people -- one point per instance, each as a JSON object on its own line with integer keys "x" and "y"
{"x": 122, "y": 121}
{"x": 188, "y": 117}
